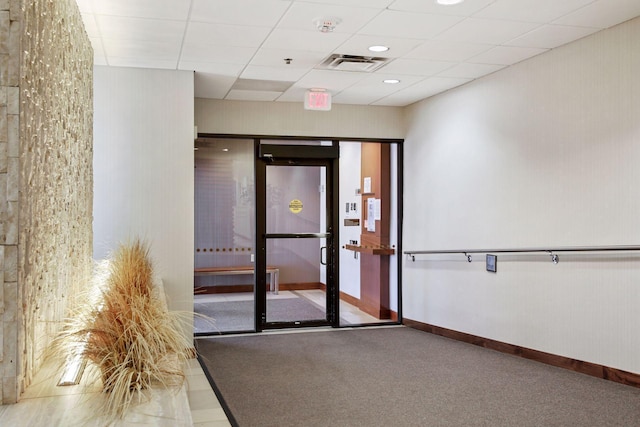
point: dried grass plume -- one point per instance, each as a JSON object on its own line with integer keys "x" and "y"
{"x": 128, "y": 333}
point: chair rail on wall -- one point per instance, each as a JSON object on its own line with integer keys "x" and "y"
{"x": 551, "y": 251}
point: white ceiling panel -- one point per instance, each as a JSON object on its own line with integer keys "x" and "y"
{"x": 281, "y": 73}
{"x": 293, "y": 94}
{"x": 466, "y": 8}
{"x": 432, "y": 47}
{"x": 216, "y": 68}
{"x": 305, "y": 40}
{"x": 261, "y": 13}
{"x": 225, "y": 35}
{"x": 212, "y": 86}
{"x": 137, "y": 62}
{"x": 126, "y": 28}
{"x": 447, "y": 51}
{"x": 602, "y": 14}
{"x": 90, "y": 25}
{"x": 551, "y": 36}
{"x": 416, "y": 67}
{"x": 207, "y": 53}
{"x": 409, "y": 25}
{"x": 333, "y": 81}
{"x": 422, "y": 90}
{"x": 506, "y": 55}
{"x": 276, "y": 57}
{"x": 373, "y": 88}
{"x": 301, "y": 16}
{"x": 531, "y": 10}
{"x": 252, "y": 95}
{"x": 489, "y": 31}
{"x": 470, "y": 71}
{"x": 375, "y": 4}
{"x": 359, "y": 45}
{"x": 141, "y": 49}
{"x": 153, "y": 9}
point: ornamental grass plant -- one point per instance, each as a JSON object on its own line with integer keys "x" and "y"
{"x": 127, "y": 331}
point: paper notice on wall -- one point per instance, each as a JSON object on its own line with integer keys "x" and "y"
{"x": 378, "y": 209}
{"x": 367, "y": 185}
{"x": 371, "y": 215}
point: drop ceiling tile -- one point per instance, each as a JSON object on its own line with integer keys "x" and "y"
{"x": 506, "y": 55}
{"x": 302, "y": 16}
{"x": 90, "y": 25}
{"x": 85, "y": 6}
{"x": 96, "y": 44}
{"x": 470, "y": 71}
{"x": 276, "y": 57}
{"x": 421, "y": 90}
{"x": 602, "y": 14}
{"x": 261, "y": 13}
{"x": 466, "y": 8}
{"x": 224, "y": 54}
{"x": 334, "y": 81}
{"x": 372, "y": 88}
{"x": 293, "y": 94}
{"x": 376, "y": 4}
{"x": 216, "y": 68}
{"x": 487, "y": 31}
{"x": 211, "y": 86}
{"x": 305, "y": 40}
{"x": 282, "y": 73}
{"x": 447, "y": 51}
{"x": 126, "y": 28}
{"x": 551, "y": 36}
{"x": 252, "y": 95}
{"x": 225, "y": 35}
{"x": 409, "y": 25}
{"x": 142, "y": 49}
{"x": 359, "y": 45}
{"x": 416, "y": 67}
{"x": 155, "y": 9}
{"x": 541, "y": 11}
{"x": 139, "y": 62}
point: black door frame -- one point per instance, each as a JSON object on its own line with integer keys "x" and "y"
{"x": 297, "y": 155}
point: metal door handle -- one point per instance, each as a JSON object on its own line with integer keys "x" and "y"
{"x": 323, "y": 261}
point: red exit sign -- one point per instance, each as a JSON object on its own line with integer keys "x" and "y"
{"x": 317, "y": 100}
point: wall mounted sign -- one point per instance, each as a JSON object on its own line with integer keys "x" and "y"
{"x": 295, "y": 206}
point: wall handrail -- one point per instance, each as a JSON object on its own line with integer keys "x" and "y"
{"x": 552, "y": 251}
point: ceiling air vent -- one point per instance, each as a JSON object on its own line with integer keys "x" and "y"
{"x": 364, "y": 64}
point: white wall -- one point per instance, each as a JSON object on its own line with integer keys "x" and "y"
{"x": 143, "y": 166}
{"x": 544, "y": 153}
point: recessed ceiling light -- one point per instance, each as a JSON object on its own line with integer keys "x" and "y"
{"x": 449, "y": 2}
{"x": 391, "y": 81}
{"x": 378, "y": 48}
{"x": 225, "y": 149}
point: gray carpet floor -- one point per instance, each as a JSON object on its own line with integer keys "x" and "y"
{"x": 401, "y": 377}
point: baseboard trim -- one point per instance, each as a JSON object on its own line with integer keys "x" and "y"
{"x": 588, "y": 368}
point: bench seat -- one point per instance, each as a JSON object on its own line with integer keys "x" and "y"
{"x": 273, "y": 272}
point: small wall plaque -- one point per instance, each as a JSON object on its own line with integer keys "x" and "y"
{"x": 492, "y": 263}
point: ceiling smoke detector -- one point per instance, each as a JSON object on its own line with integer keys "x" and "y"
{"x": 327, "y": 25}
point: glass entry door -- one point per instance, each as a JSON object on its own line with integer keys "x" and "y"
{"x": 295, "y": 264}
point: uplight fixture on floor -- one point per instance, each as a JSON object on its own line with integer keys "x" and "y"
{"x": 73, "y": 370}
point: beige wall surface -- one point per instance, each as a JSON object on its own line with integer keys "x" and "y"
{"x": 291, "y": 119}
{"x": 544, "y": 153}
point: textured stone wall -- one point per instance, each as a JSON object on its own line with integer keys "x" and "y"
{"x": 46, "y": 168}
